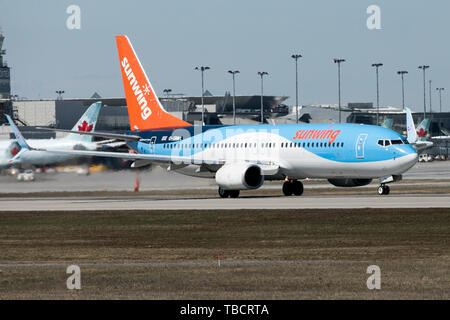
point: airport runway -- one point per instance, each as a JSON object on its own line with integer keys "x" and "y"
{"x": 215, "y": 203}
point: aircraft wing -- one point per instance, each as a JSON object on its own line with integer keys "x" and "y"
{"x": 421, "y": 146}
{"x": 132, "y": 156}
{"x": 106, "y": 135}
{"x": 268, "y": 167}
{"x": 440, "y": 138}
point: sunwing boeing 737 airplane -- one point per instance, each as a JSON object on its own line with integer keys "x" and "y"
{"x": 241, "y": 157}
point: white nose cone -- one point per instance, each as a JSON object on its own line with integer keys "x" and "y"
{"x": 407, "y": 162}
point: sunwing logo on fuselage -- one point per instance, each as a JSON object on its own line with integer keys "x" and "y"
{"x": 136, "y": 88}
{"x": 317, "y": 135}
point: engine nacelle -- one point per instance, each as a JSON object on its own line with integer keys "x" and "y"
{"x": 239, "y": 176}
{"x": 349, "y": 182}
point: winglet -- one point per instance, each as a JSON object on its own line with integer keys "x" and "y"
{"x": 411, "y": 134}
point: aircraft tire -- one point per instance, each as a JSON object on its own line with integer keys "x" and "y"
{"x": 297, "y": 187}
{"x": 223, "y": 193}
{"x": 383, "y": 190}
{"x": 380, "y": 190}
{"x": 234, "y": 193}
{"x": 288, "y": 188}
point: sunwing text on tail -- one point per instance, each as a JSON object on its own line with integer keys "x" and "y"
{"x": 144, "y": 109}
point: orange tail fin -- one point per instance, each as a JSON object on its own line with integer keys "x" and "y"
{"x": 144, "y": 109}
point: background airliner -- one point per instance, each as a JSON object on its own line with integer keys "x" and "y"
{"x": 11, "y": 152}
{"x": 243, "y": 156}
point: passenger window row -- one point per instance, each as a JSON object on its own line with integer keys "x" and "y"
{"x": 312, "y": 145}
{"x": 254, "y": 145}
{"x": 218, "y": 145}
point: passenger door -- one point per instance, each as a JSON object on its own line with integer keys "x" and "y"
{"x": 152, "y": 144}
{"x": 360, "y": 143}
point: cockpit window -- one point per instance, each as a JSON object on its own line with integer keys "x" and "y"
{"x": 386, "y": 142}
{"x": 405, "y": 141}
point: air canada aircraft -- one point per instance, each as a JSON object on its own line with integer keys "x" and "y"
{"x": 242, "y": 157}
{"x": 11, "y": 153}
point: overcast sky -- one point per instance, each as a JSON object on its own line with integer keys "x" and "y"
{"x": 172, "y": 37}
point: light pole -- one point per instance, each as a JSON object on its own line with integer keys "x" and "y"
{"x": 202, "y": 69}
{"x": 440, "y": 98}
{"x": 339, "y": 61}
{"x": 431, "y": 110}
{"x": 233, "y": 73}
{"x": 402, "y": 73}
{"x": 424, "y": 67}
{"x": 59, "y": 93}
{"x": 296, "y": 56}
{"x": 262, "y": 74}
{"x": 167, "y": 92}
{"x": 377, "y": 65}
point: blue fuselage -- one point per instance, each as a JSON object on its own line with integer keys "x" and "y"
{"x": 305, "y": 150}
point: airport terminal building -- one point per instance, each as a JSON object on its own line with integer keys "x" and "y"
{"x": 63, "y": 113}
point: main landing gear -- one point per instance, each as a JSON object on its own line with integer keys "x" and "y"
{"x": 292, "y": 187}
{"x": 383, "y": 190}
{"x": 228, "y": 193}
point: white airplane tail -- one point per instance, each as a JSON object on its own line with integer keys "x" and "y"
{"x": 411, "y": 134}
{"x": 20, "y": 140}
{"x": 86, "y": 123}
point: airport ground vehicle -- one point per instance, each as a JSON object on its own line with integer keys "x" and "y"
{"x": 27, "y": 175}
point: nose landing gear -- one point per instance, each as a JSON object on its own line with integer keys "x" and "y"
{"x": 291, "y": 187}
{"x": 383, "y": 190}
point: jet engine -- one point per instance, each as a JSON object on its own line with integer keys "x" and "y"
{"x": 349, "y": 182}
{"x": 239, "y": 176}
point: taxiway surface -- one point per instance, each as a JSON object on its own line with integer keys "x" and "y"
{"x": 212, "y": 203}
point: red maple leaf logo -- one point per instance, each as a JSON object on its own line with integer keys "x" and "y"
{"x": 14, "y": 151}
{"x": 85, "y": 127}
{"x": 421, "y": 133}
